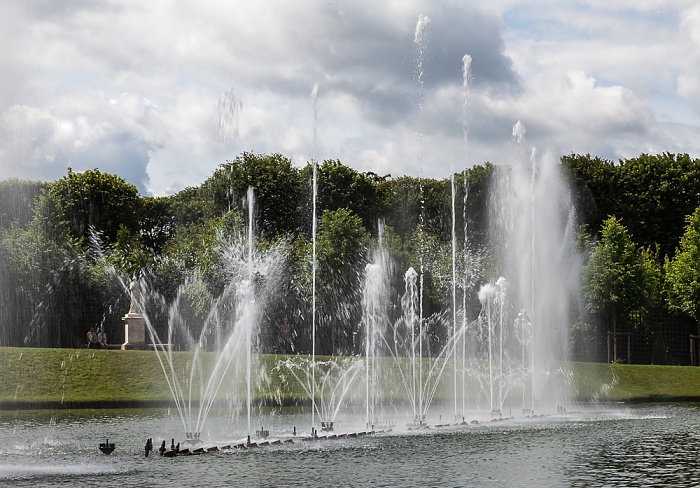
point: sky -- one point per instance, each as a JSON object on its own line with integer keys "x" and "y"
{"x": 163, "y": 92}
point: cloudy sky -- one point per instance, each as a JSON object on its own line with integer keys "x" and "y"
{"x": 162, "y": 93}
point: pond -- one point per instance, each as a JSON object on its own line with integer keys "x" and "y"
{"x": 641, "y": 445}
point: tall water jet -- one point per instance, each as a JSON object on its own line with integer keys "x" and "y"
{"x": 454, "y": 291}
{"x": 466, "y": 79}
{"x": 501, "y": 371}
{"x": 229, "y": 118}
{"x": 466, "y": 83}
{"x": 486, "y": 296}
{"x": 520, "y": 134}
{"x": 375, "y": 304}
{"x": 411, "y": 314}
{"x": 420, "y": 42}
{"x": 532, "y": 223}
{"x": 314, "y": 98}
{"x": 465, "y": 287}
{"x": 502, "y": 295}
{"x": 252, "y": 312}
{"x": 523, "y": 333}
{"x": 470, "y": 267}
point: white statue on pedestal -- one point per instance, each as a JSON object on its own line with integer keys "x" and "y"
{"x": 134, "y": 321}
{"x": 135, "y": 290}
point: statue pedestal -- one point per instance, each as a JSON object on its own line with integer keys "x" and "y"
{"x": 134, "y": 331}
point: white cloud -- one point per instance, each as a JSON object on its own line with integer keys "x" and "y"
{"x": 133, "y": 88}
{"x": 689, "y": 87}
{"x": 690, "y": 24}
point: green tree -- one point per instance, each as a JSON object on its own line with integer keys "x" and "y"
{"x": 191, "y": 206}
{"x": 342, "y": 244}
{"x": 129, "y": 254}
{"x": 339, "y": 186}
{"x": 659, "y": 192}
{"x": 683, "y": 271}
{"x": 472, "y": 194}
{"x": 157, "y": 222}
{"x": 418, "y": 202}
{"x": 652, "y": 194}
{"x": 57, "y": 291}
{"x": 595, "y": 187}
{"x": 617, "y": 280}
{"x": 17, "y": 199}
{"x": 403, "y": 204}
{"x": 99, "y": 200}
{"x": 195, "y": 247}
{"x": 277, "y": 188}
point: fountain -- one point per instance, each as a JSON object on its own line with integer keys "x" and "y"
{"x": 499, "y": 378}
{"x": 506, "y": 354}
{"x": 229, "y": 332}
{"x": 533, "y": 224}
{"x": 328, "y": 381}
{"x": 375, "y": 297}
{"x": 485, "y": 359}
{"x": 496, "y": 352}
{"x": 513, "y": 346}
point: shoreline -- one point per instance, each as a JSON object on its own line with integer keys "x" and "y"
{"x": 136, "y": 404}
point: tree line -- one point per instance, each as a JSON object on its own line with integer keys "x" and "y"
{"x": 63, "y": 243}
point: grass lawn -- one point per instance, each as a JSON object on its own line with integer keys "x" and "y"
{"x": 33, "y": 376}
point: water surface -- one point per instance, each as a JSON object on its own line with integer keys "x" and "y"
{"x": 646, "y": 445}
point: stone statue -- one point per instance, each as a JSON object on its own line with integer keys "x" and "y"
{"x": 135, "y": 290}
{"x": 135, "y": 322}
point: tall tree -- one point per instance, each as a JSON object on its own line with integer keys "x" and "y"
{"x": 475, "y": 182}
{"x": 659, "y": 192}
{"x": 341, "y": 253}
{"x": 276, "y": 184}
{"x": 340, "y": 186}
{"x": 156, "y": 222}
{"x": 683, "y": 271}
{"x": 95, "y": 199}
{"x": 595, "y": 187}
{"x": 57, "y": 292}
{"x": 17, "y": 200}
{"x": 651, "y": 193}
{"x": 418, "y": 203}
{"x": 617, "y": 279}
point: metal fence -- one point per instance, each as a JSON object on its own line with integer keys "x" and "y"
{"x": 658, "y": 338}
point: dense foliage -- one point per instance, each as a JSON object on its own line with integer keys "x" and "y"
{"x": 67, "y": 247}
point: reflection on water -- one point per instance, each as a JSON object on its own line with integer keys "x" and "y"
{"x": 635, "y": 446}
{"x": 648, "y": 451}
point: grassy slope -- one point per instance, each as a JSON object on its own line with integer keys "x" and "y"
{"x": 58, "y": 375}
{"x": 32, "y": 375}
{"x": 72, "y": 376}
